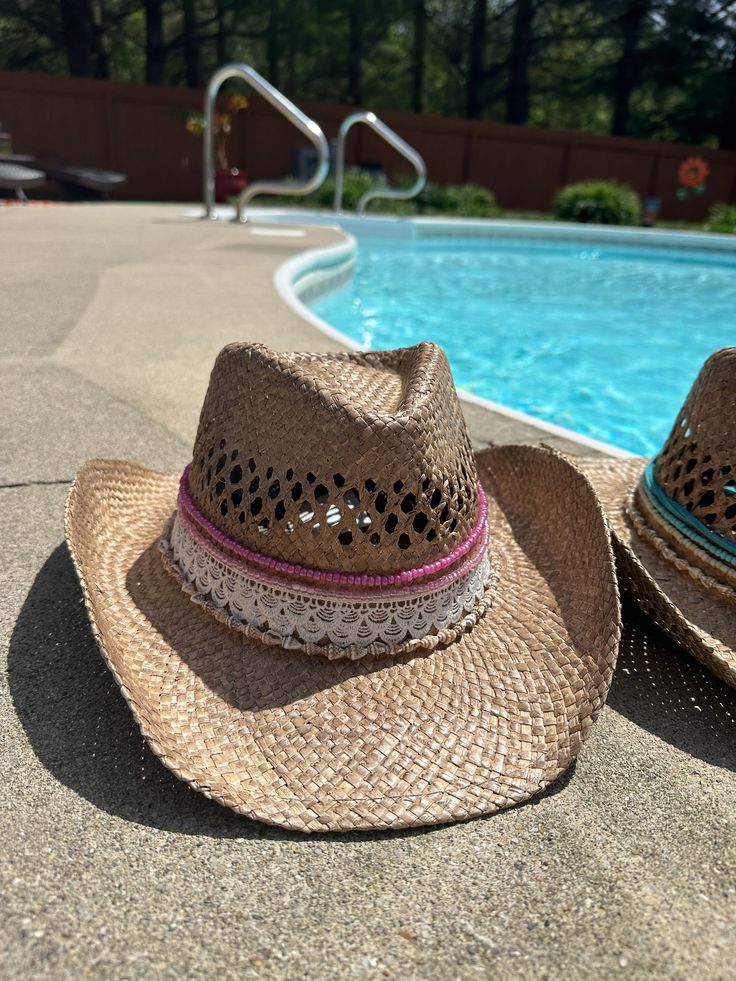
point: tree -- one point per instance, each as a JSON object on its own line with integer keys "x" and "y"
{"x": 474, "y": 102}
{"x": 273, "y": 45}
{"x": 77, "y": 29}
{"x": 355, "y": 52}
{"x": 628, "y": 68}
{"x": 517, "y": 92}
{"x": 155, "y": 47}
{"x": 419, "y": 53}
{"x": 191, "y": 45}
{"x": 725, "y": 122}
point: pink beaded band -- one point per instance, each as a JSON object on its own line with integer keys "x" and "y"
{"x": 402, "y": 590}
{"x": 195, "y": 516}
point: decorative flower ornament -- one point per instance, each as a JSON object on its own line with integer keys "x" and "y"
{"x": 692, "y": 175}
{"x": 194, "y": 124}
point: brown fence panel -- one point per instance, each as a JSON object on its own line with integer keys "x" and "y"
{"x": 46, "y": 119}
{"x": 523, "y": 176}
{"x": 614, "y": 163}
{"x": 139, "y": 130}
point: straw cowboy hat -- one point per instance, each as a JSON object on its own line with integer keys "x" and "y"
{"x": 339, "y": 617}
{"x": 674, "y": 520}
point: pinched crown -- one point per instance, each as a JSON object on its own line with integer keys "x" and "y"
{"x": 697, "y": 465}
{"x": 353, "y": 462}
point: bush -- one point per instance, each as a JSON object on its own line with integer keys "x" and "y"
{"x": 460, "y": 200}
{"x": 451, "y": 200}
{"x": 722, "y": 218}
{"x": 604, "y": 202}
{"x": 355, "y": 184}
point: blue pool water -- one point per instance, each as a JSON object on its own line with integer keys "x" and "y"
{"x": 605, "y": 340}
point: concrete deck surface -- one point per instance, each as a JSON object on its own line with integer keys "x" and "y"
{"x": 111, "y": 868}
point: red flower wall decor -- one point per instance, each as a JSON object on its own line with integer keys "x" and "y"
{"x": 692, "y": 175}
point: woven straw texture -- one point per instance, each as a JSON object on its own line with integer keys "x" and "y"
{"x": 700, "y": 619}
{"x": 697, "y": 465}
{"x": 346, "y": 462}
{"x": 316, "y": 745}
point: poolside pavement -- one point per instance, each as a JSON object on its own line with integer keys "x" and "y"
{"x": 111, "y": 868}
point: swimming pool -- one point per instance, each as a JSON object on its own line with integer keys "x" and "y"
{"x": 599, "y": 337}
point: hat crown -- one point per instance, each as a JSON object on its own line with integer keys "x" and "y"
{"x": 697, "y": 465}
{"x": 352, "y": 462}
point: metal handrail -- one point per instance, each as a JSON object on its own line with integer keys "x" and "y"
{"x": 394, "y": 140}
{"x": 287, "y": 108}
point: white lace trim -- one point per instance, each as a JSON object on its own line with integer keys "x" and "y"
{"x": 300, "y": 616}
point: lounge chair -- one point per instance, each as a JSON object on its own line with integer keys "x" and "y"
{"x": 84, "y": 182}
{"x": 19, "y": 178}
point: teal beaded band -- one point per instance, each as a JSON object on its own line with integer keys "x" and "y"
{"x": 685, "y": 522}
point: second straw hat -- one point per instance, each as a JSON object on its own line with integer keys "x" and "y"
{"x": 674, "y": 520}
{"x": 339, "y": 617}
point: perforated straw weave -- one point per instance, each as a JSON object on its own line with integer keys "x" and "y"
{"x": 455, "y": 730}
{"x": 355, "y": 462}
{"x": 689, "y": 590}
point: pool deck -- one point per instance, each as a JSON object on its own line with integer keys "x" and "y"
{"x": 111, "y": 868}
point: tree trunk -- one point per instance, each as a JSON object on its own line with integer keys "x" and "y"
{"x": 273, "y": 42}
{"x": 628, "y": 67}
{"x": 419, "y": 52}
{"x": 221, "y": 40}
{"x": 192, "y": 67}
{"x": 355, "y": 53}
{"x": 77, "y": 30}
{"x": 292, "y": 49}
{"x": 99, "y": 42}
{"x": 517, "y": 94}
{"x": 726, "y": 123}
{"x": 474, "y": 95}
{"x": 155, "y": 49}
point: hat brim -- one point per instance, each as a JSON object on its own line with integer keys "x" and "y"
{"x": 317, "y": 745}
{"x": 695, "y": 617}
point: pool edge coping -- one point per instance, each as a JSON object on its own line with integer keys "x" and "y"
{"x": 322, "y": 269}
{"x": 421, "y": 226}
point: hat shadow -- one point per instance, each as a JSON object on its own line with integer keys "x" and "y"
{"x": 78, "y": 723}
{"x": 670, "y": 694}
{"x": 83, "y": 733}
{"x": 290, "y": 675}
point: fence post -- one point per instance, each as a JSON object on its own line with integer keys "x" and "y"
{"x": 732, "y": 195}
{"x": 468, "y": 155}
{"x": 107, "y": 148}
{"x": 656, "y": 175}
{"x": 568, "y": 148}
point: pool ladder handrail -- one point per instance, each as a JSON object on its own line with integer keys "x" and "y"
{"x": 287, "y": 108}
{"x": 393, "y": 139}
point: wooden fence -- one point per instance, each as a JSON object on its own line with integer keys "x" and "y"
{"x": 139, "y": 130}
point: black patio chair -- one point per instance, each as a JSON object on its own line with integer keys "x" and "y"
{"x": 19, "y": 178}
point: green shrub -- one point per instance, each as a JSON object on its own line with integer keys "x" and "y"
{"x": 356, "y": 183}
{"x": 451, "y": 200}
{"x": 722, "y": 218}
{"x": 604, "y": 202}
{"x": 459, "y": 200}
